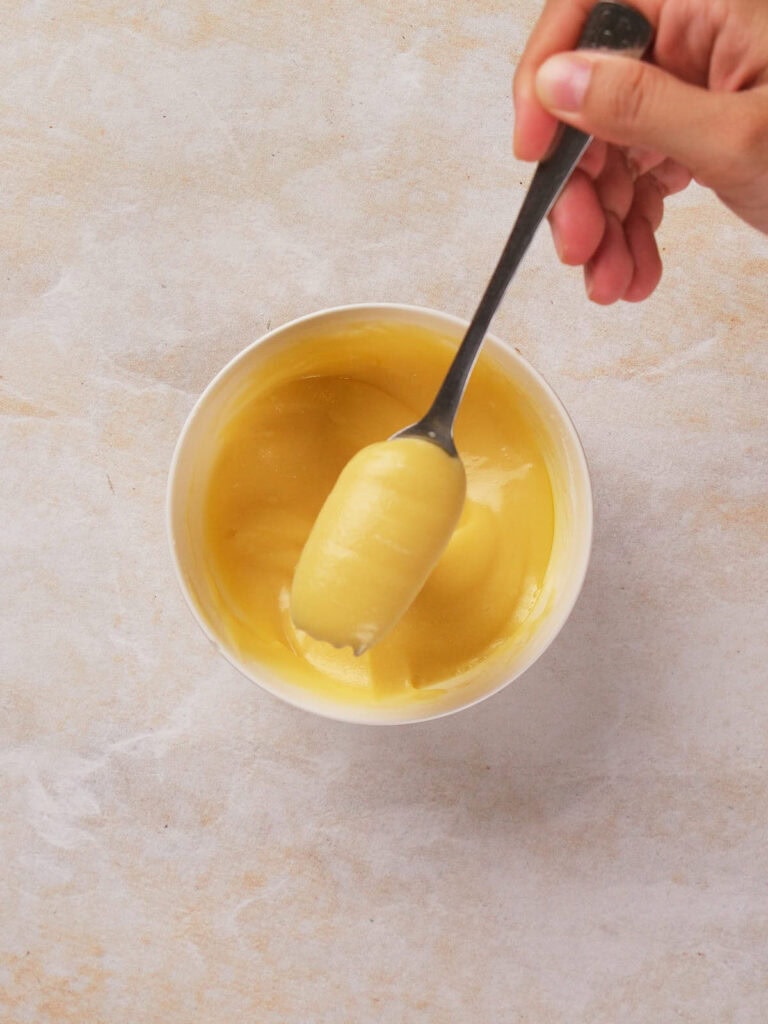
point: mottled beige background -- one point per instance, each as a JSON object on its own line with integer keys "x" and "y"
{"x": 176, "y": 846}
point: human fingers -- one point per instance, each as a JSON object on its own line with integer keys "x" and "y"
{"x": 644, "y": 253}
{"x": 609, "y": 224}
{"x": 608, "y": 270}
{"x": 614, "y": 185}
{"x": 578, "y": 218}
{"x": 670, "y": 177}
{"x": 609, "y": 273}
{"x": 577, "y": 221}
{"x": 649, "y": 201}
{"x": 593, "y": 160}
{"x": 640, "y": 160}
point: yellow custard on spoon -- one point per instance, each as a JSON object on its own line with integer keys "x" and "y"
{"x": 376, "y": 540}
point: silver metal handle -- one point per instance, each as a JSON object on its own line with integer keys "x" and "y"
{"x": 610, "y": 26}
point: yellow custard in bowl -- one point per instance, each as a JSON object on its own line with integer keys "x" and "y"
{"x": 263, "y": 449}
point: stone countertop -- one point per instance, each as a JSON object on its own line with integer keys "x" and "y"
{"x": 588, "y": 847}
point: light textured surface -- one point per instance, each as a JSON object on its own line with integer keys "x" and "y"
{"x": 591, "y": 845}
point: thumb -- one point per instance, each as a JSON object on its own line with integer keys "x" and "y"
{"x": 631, "y": 103}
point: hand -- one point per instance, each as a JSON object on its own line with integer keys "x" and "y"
{"x": 699, "y": 110}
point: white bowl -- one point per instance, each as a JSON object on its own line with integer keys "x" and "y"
{"x": 567, "y": 467}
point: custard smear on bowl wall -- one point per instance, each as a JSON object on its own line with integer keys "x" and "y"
{"x": 280, "y": 451}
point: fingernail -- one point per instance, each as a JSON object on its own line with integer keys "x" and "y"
{"x": 562, "y": 82}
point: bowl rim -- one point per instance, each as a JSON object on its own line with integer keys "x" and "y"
{"x": 328, "y": 708}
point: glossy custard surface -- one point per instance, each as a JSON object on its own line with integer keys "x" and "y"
{"x": 279, "y": 451}
{"x": 378, "y": 536}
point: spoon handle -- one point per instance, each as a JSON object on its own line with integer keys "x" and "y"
{"x": 610, "y": 26}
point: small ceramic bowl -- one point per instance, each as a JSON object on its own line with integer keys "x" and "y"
{"x": 196, "y": 450}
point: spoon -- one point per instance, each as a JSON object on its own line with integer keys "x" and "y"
{"x": 396, "y": 504}
{"x": 610, "y": 26}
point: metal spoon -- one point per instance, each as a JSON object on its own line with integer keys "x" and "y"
{"x": 610, "y": 26}
{"x": 391, "y": 513}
